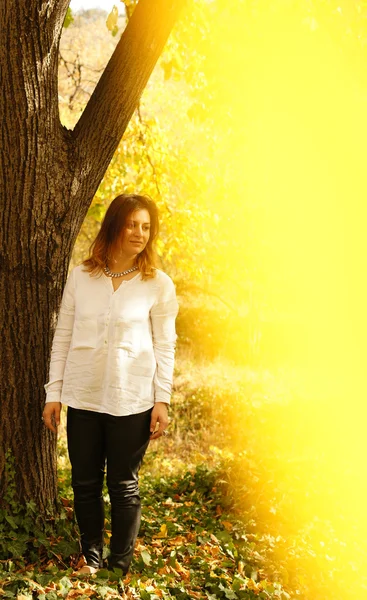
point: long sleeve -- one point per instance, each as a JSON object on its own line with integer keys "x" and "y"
{"x": 61, "y": 343}
{"x": 163, "y": 315}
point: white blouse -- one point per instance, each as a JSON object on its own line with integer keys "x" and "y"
{"x": 113, "y": 351}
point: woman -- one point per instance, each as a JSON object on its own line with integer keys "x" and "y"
{"x": 112, "y": 365}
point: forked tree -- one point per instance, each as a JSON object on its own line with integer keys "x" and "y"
{"x": 48, "y": 177}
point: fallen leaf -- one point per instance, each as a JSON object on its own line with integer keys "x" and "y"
{"x": 147, "y": 559}
{"x": 241, "y": 567}
{"x": 162, "y": 532}
{"x": 184, "y": 572}
{"x": 178, "y": 540}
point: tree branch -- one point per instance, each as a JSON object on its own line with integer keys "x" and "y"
{"x": 107, "y": 114}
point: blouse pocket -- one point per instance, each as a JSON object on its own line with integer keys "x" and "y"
{"x": 84, "y": 334}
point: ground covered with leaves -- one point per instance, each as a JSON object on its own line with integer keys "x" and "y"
{"x": 236, "y": 504}
{"x": 188, "y": 547}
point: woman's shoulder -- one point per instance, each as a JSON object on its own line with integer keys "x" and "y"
{"x": 162, "y": 279}
{"x": 164, "y": 288}
{"x": 162, "y": 276}
{"x": 77, "y": 271}
{"x": 80, "y": 273}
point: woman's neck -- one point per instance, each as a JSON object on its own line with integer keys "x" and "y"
{"x": 121, "y": 263}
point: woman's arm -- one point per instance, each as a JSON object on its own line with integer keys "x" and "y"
{"x": 163, "y": 315}
{"x": 59, "y": 352}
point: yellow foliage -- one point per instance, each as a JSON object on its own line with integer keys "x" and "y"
{"x": 112, "y": 19}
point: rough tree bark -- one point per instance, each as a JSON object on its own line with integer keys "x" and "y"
{"x": 48, "y": 177}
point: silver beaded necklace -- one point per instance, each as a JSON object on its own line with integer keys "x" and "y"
{"x": 110, "y": 274}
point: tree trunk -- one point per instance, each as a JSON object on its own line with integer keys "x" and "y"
{"x": 48, "y": 177}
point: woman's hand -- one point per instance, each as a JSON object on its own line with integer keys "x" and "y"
{"x": 51, "y": 415}
{"x": 160, "y": 417}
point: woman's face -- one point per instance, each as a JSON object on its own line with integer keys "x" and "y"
{"x": 136, "y": 232}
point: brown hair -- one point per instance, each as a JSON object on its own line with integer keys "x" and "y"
{"x": 109, "y": 236}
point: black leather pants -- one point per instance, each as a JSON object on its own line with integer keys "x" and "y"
{"x": 94, "y": 439}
